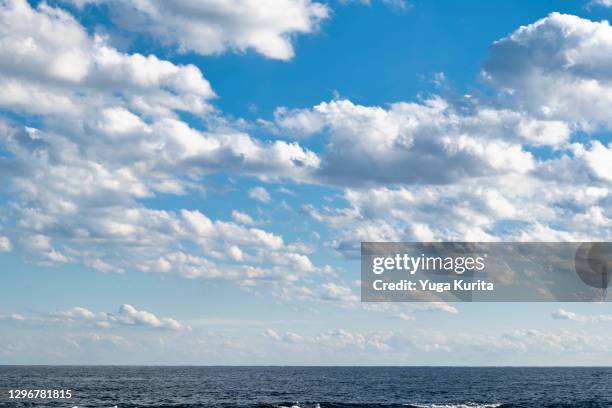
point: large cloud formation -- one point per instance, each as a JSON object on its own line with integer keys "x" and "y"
{"x": 510, "y": 168}
{"x": 103, "y": 132}
{"x": 50, "y": 64}
{"x": 419, "y": 143}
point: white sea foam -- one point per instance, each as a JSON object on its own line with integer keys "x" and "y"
{"x": 296, "y": 405}
{"x": 111, "y": 407}
{"x": 464, "y": 405}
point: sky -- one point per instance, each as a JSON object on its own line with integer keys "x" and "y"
{"x": 189, "y": 182}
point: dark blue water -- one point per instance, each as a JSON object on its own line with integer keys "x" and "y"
{"x": 323, "y": 387}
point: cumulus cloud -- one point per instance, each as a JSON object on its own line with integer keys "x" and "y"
{"x": 404, "y": 316}
{"x": 563, "y": 314}
{"x": 127, "y": 316}
{"x": 130, "y": 316}
{"x": 602, "y": 3}
{"x": 288, "y": 337}
{"x": 346, "y": 296}
{"x": 558, "y": 340}
{"x": 49, "y": 64}
{"x": 242, "y": 218}
{"x": 5, "y": 244}
{"x": 506, "y": 208}
{"x": 469, "y": 169}
{"x": 214, "y": 26}
{"x": 445, "y": 171}
{"x": 597, "y": 158}
{"x": 337, "y": 339}
{"x": 371, "y": 144}
{"x": 396, "y": 4}
{"x": 337, "y": 345}
{"x": 557, "y": 68}
{"x": 336, "y": 293}
{"x": 232, "y": 252}
{"x": 437, "y": 307}
{"x": 390, "y": 344}
{"x": 110, "y": 136}
{"x": 260, "y": 194}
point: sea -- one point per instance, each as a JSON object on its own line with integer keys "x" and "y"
{"x": 311, "y": 387}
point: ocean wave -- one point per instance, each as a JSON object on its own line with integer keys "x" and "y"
{"x": 461, "y": 405}
{"x": 391, "y": 405}
{"x": 296, "y": 405}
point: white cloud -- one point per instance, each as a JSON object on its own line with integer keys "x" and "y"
{"x": 396, "y": 343}
{"x": 598, "y": 159}
{"x": 602, "y": 3}
{"x": 455, "y": 174}
{"x": 260, "y": 194}
{"x": 108, "y": 215}
{"x": 214, "y": 26}
{"x": 5, "y": 244}
{"x": 396, "y": 4}
{"x": 127, "y": 316}
{"x": 277, "y": 342}
{"x": 242, "y": 218}
{"x": 478, "y": 154}
{"x": 100, "y": 340}
{"x": 530, "y": 208}
{"x": 557, "y": 68}
{"x": 340, "y": 339}
{"x": 563, "y": 314}
{"x": 271, "y": 334}
{"x": 337, "y": 339}
{"x": 371, "y": 144}
{"x": 117, "y": 139}
{"x": 110, "y": 136}
{"x": 49, "y": 64}
{"x": 558, "y": 341}
{"x": 287, "y": 337}
{"x": 465, "y": 170}
{"x": 335, "y": 292}
{"x": 130, "y": 316}
{"x": 437, "y": 307}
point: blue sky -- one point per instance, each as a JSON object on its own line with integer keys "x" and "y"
{"x": 187, "y": 183}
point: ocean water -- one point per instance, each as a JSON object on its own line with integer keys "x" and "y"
{"x": 337, "y": 387}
